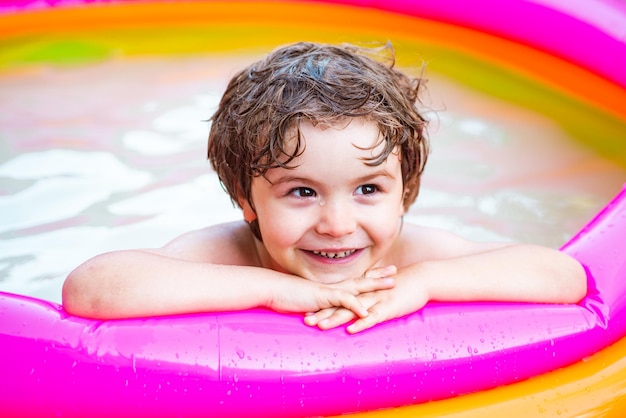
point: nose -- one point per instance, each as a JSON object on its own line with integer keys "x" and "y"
{"x": 336, "y": 218}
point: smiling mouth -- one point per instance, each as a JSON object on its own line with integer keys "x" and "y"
{"x": 340, "y": 254}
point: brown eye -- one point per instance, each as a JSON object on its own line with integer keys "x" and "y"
{"x": 367, "y": 189}
{"x": 303, "y": 192}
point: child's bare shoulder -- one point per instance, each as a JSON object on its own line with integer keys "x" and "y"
{"x": 420, "y": 243}
{"x": 228, "y": 243}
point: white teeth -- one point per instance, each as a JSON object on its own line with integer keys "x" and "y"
{"x": 341, "y": 254}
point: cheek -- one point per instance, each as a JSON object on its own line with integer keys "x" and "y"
{"x": 395, "y": 203}
{"x": 388, "y": 221}
{"x": 280, "y": 229}
{"x": 391, "y": 229}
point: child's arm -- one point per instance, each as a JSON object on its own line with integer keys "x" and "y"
{"x": 515, "y": 273}
{"x": 136, "y": 283}
{"x": 205, "y": 270}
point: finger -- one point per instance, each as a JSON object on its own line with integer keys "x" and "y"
{"x": 351, "y": 303}
{"x": 312, "y": 318}
{"x": 360, "y": 325}
{"x": 379, "y": 272}
{"x": 372, "y": 284}
{"x": 366, "y": 322}
{"x": 339, "y": 317}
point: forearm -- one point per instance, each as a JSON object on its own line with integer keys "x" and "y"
{"x": 513, "y": 273}
{"x": 523, "y": 273}
{"x": 138, "y": 283}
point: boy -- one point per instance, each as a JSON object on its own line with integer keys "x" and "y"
{"x": 322, "y": 147}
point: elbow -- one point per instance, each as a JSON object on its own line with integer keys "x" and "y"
{"x": 80, "y": 294}
{"x": 581, "y": 289}
{"x": 574, "y": 283}
{"x": 75, "y": 296}
{"x": 71, "y": 296}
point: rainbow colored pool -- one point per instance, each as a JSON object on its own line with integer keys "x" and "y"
{"x": 568, "y": 65}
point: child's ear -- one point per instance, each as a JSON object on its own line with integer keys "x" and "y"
{"x": 248, "y": 213}
{"x": 405, "y": 196}
{"x": 401, "y": 209}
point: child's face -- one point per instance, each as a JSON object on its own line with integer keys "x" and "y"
{"x": 332, "y": 217}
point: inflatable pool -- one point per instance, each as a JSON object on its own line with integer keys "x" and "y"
{"x": 229, "y": 365}
{"x": 521, "y": 358}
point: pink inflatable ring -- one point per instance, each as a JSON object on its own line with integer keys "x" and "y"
{"x": 225, "y": 364}
{"x": 261, "y": 363}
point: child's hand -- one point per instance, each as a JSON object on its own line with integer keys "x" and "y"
{"x": 299, "y": 295}
{"x": 382, "y": 305}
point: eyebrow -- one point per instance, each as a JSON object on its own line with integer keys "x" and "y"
{"x": 297, "y": 179}
{"x": 378, "y": 173}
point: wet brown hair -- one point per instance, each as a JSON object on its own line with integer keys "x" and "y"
{"x": 252, "y": 129}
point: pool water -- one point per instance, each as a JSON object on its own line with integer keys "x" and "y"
{"x": 112, "y": 155}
